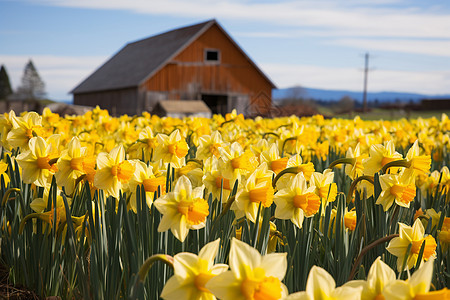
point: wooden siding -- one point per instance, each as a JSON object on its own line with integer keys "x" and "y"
{"x": 188, "y": 76}
{"x": 117, "y": 102}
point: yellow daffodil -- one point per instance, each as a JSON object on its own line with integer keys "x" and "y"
{"x": 3, "y": 169}
{"x": 113, "y": 171}
{"x": 73, "y": 163}
{"x": 171, "y": 149}
{"x": 273, "y": 159}
{"x": 444, "y": 234}
{"x": 356, "y": 168}
{"x": 326, "y": 189}
{"x": 295, "y": 161}
{"x": 6, "y": 124}
{"x": 379, "y": 277}
{"x": 35, "y": 162}
{"x": 251, "y": 195}
{"x": 415, "y": 236}
{"x": 296, "y": 201}
{"x": 417, "y": 287}
{"x": 192, "y": 273}
{"x": 24, "y": 128}
{"x": 419, "y": 164}
{"x": 350, "y": 220}
{"x": 235, "y": 162}
{"x": 182, "y": 209}
{"x": 193, "y": 170}
{"x": 213, "y": 180}
{"x": 252, "y": 276}
{"x": 143, "y": 175}
{"x": 396, "y": 187}
{"x": 209, "y": 145}
{"x": 145, "y": 145}
{"x": 321, "y": 286}
{"x": 380, "y": 155}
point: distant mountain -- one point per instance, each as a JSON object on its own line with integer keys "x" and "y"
{"x": 336, "y": 95}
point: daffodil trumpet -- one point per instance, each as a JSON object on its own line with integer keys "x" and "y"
{"x": 354, "y": 183}
{"x": 396, "y": 163}
{"x": 148, "y": 263}
{"x": 367, "y": 249}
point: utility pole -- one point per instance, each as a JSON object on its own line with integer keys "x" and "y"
{"x": 366, "y": 71}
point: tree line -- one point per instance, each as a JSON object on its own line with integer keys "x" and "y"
{"x": 32, "y": 87}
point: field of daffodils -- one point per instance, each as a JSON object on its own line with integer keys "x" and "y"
{"x": 143, "y": 207}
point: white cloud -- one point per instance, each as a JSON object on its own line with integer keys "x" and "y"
{"x": 426, "y": 47}
{"x": 348, "y": 18}
{"x": 60, "y": 73}
{"x": 352, "y": 79}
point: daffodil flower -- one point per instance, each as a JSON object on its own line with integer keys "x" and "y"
{"x": 6, "y": 124}
{"x": 24, "y": 128}
{"x": 380, "y": 155}
{"x": 183, "y": 209}
{"x": 192, "y": 273}
{"x": 379, "y": 277}
{"x": 444, "y": 234}
{"x": 113, "y": 171}
{"x": 3, "y": 169}
{"x": 143, "y": 175}
{"x": 73, "y": 163}
{"x": 252, "y": 276}
{"x": 417, "y": 287}
{"x": 144, "y": 146}
{"x": 296, "y": 201}
{"x": 35, "y": 162}
{"x": 396, "y": 187}
{"x": 213, "y": 180}
{"x": 234, "y": 162}
{"x": 249, "y": 197}
{"x": 321, "y": 286}
{"x": 209, "y": 145}
{"x": 411, "y": 236}
{"x": 326, "y": 189}
{"x": 356, "y": 168}
{"x": 419, "y": 164}
{"x": 295, "y": 161}
{"x": 273, "y": 159}
{"x": 171, "y": 149}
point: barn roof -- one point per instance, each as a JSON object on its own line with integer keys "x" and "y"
{"x": 139, "y": 60}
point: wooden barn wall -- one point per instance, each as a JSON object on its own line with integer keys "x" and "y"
{"x": 187, "y": 75}
{"x": 117, "y": 102}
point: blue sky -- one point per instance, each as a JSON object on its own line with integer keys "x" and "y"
{"x": 316, "y": 44}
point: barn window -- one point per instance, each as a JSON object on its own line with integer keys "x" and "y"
{"x": 212, "y": 55}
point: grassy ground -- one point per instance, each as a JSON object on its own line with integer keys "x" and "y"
{"x": 385, "y": 114}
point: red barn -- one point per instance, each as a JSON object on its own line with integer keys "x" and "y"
{"x": 198, "y": 62}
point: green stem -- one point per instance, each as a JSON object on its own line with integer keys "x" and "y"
{"x": 8, "y": 192}
{"x": 270, "y": 133}
{"x": 345, "y": 160}
{"x": 355, "y": 182}
{"x": 164, "y": 258}
{"x": 291, "y": 170}
{"x": 284, "y": 144}
{"x": 396, "y": 163}
{"x": 367, "y": 249}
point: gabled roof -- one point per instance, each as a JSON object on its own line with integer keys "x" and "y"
{"x": 139, "y": 60}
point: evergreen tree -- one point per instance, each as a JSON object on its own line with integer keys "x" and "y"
{"x": 5, "y": 85}
{"x": 32, "y": 86}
